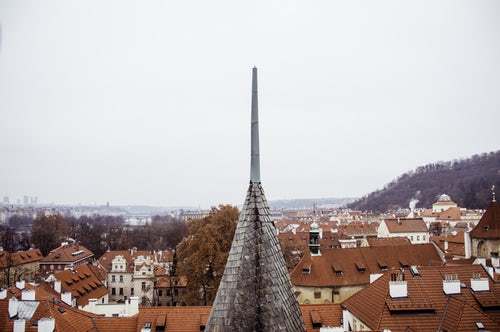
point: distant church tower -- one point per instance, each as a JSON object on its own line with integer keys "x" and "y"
{"x": 255, "y": 293}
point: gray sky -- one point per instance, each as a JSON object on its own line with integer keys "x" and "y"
{"x": 148, "y": 102}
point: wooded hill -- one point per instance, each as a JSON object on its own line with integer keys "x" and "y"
{"x": 467, "y": 181}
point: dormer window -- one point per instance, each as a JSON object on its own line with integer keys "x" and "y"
{"x": 306, "y": 269}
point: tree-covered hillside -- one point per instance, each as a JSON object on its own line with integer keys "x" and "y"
{"x": 467, "y": 181}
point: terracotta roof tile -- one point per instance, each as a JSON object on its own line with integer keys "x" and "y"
{"x": 489, "y": 224}
{"x": 353, "y": 260}
{"x": 431, "y": 309}
{"x": 67, "y": 254}
{"x": 406, "y": 225}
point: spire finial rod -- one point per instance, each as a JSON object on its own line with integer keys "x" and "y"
{"x": 255, "y": 155}
{"x": 493, "y": 196}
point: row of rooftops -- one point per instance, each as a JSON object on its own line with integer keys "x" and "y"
{"x": 60, "y": 317}
{"x": 423, "y": 298}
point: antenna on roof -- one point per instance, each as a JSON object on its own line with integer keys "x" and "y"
{"x": 493, "y": 198}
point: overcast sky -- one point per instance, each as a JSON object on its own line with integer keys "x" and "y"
{"x": 148, "y": 102}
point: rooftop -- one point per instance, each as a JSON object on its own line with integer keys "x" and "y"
{"x": 426, "y": 307}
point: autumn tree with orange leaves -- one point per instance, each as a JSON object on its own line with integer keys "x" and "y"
{"x": 203, "y": 253}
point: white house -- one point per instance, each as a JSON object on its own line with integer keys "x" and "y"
{"x": 414, "y": 229}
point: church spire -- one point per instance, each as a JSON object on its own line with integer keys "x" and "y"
{"x": 255, "y": 293}
{"x": 255, "y": 155}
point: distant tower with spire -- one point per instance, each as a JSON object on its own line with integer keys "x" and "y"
{"x": 255, "y": 293}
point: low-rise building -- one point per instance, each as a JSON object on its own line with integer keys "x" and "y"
{"x": 337, "y": 274}
{"x": 68, "y": 255}
{"x": 414, "y": 229}
{"x": 81, "y": 284}
{"x": 19, "y": 265}
{"x": 130, "y": 273}
{"x": 430, "y": 298}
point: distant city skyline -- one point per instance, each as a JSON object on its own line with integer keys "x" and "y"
{"x": 115, "y": 102}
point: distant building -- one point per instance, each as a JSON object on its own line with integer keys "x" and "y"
{"x": 414, "y": 229}
{"x": 6, "y": 200}
{"x": 443, "y": 203}
{"x": 65, "y": 256}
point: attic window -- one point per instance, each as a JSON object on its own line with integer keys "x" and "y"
{"x": 480, "y": 326}
{"x": 337, "y": 268}
{"x": 306, "y": 269}
{"x": 360, "y": 266}
{"x": 316, "y": 319}
{"x": 487, "y": 227}
{"x": 403, "y": 263}
{"x": 382, "y": 265}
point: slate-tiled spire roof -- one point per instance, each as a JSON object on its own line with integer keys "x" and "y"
{"x": 255, "y": 293}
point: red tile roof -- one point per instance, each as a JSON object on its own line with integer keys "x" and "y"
{"x": 427, "y": 307}
{"x": 406, "y": 225}
{"x": 83, "y": 284}
{"x": 489, "y": 224}
{"x": 175, "y": 319}
{"x": 388, "y": 241}
{"x": 19, "y": 257}
{"x": 456, "y": 245}
{"x": 357, "y": 264}
{"x": 68, "y": 253}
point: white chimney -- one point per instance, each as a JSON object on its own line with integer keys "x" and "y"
{"x": 19, "y": 325}
{"x": 28, "y": 295}
{"x": 57, "y": 286}
{"x": 479, "y": 284}
{"x": 451, "y": 284}
{"x": 495, "y": 261}
{"x": 66, "y": 298}
{"x": 20, "y": 284}
{"x": 46, "y": 325}
{"x": 132, "y": 307}
{"x": 3, "y": 294}
{"x": 91, "y": 305}
{"x": 398, "y": 287}
{"x": 467, "y": 245}
{"x": 13, "y": 305}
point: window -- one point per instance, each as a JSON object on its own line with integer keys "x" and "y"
{"x": 102, "y": 300}
{"x": 143, "y": 285}
{"x": 121, "y": 291}
{"x": 113, "y": 291}
{"x": 121, "y": 278}
{"x": 317, "y": 294}
{"x": 418, "y": 237}
{"x": 411, "y": 238}
{"x": 132, "y": 291}
{"x": 423, "y": 237}
{"x": 113, "y": 278}
{"x": 160, "y": 292}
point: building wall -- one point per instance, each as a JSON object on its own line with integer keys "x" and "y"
{"x": 126, "y": 285}
{"x": 414, "y": 237}
{"x": 320, "y": 295}
{"x": 483, "y": 248}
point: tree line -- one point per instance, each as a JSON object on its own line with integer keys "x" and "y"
{"x": 467, "y": 181}
{"x": 97, "y": 233}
